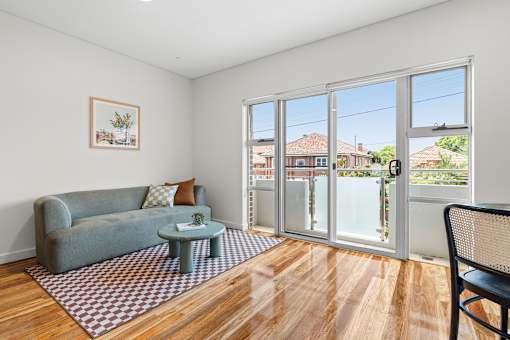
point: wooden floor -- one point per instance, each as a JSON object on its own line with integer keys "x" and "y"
{"x": 297, "y": 290}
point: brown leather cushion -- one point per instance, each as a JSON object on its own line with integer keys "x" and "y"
{"x": 184, "y": 194}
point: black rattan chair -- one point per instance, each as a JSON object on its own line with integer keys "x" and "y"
{"x": 479, "y": 238}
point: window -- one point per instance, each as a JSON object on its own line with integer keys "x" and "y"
{"x": 321, "y": 161}
{"x": 438, "y": 98}
{"x": 440, "y": 161}
{"x": 414, "y": 122}
{"x": 262, "y": 121}
{"x": 260, "y": 152}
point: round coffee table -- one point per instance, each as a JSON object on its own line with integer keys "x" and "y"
{"x": 179, "y": 242}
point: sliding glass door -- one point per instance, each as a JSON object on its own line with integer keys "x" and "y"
{"x": 367, "y": 165}
{"x": 305, "y": 158}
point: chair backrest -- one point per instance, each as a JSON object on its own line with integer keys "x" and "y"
{"x": 479, "y": 237}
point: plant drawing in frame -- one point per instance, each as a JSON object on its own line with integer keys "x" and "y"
{"x": 114, "y": 125}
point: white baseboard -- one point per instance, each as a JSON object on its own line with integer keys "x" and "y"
{"x": 17, "y": 255}
{"x": 231, "y": 225}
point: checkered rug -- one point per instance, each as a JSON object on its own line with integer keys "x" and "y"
{"x": 105, "y": 295}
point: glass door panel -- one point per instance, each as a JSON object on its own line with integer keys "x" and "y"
{"x": 367, "y": 165}
{"x": 305, "y": 155}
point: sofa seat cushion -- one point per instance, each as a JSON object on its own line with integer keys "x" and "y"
{"x": 175, "y": 214}
{"x": 97, "y": 238}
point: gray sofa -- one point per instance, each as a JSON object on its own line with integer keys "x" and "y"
{"x": 80, "y": 228}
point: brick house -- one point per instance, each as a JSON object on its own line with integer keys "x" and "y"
{"x": 432, "y": 155}
{"x": 311, "y": 151}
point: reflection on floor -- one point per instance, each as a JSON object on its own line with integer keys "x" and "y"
{"x": 297, "y": 290}
{"x": 263, "y": 229}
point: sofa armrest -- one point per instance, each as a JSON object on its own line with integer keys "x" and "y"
{"x": 199, "y": 192}
{"x": 51, "y": 213}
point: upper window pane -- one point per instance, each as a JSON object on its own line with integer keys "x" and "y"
{"x": 262, "y": 121}
{"x": 439, "y": 98}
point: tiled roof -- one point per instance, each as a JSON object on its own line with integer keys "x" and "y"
{"x": 258, "y": 159}
{"x": 315, "y": 144}
{"x": 432, "y": 154}
{"x": 260, "y": 149}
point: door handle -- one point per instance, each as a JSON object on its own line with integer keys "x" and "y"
{"x": 445, "y": 127}
{"x": 397, "y": 165}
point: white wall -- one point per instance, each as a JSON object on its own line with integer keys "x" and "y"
{"x": 451, "y": 30}
{"x": 46, "y": 79}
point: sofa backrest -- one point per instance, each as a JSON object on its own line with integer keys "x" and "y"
{"x": 100, "y": 202}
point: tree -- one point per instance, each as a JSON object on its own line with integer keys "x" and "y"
{"x": 445, "y": 162}
{"x": 384, "y": 156}
{"x": 341, "y": 162}
{"x": 124, "y": 122}
{"x": 457, "y": 144}
{"x": 117, "y": 121}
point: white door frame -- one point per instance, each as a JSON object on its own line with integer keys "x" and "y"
{"x": 281, "y": 114}
{"x": 400, "y": 153}
{"x": 403, "y": 131}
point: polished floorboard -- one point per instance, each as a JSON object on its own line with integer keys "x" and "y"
{"x": 297, "y": 290}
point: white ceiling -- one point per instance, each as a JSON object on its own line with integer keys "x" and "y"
{"x": 198, "y": 37}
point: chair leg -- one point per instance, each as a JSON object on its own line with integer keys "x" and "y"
{"x": 454, "y": 320}
{"x": 504, "y": 321}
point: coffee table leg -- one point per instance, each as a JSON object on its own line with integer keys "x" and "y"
{"x": 186, "y": 257}
{"x": 174, "y": 249}
{"x": 215, "y": 247}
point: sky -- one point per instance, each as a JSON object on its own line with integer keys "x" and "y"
{"x": 367, "y": 113}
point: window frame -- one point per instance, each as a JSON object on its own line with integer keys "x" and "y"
{"x": 451, "y": 130}
{"x": 250, "y": 123}
{"x": 403, "y": 79}
{"x": 466, "y": 99}
{"x": 251, "y": 142}
{"x": 321, "y": 158}
{"x": 299, "y": 160}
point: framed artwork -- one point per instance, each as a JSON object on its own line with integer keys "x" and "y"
{"x": 114, "y": 125}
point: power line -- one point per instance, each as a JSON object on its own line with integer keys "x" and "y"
{"x": 365, "y": 112}
{"x": 339, "y": 117}
{"x": 438, "y": 97}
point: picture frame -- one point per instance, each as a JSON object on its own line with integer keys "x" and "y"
{"x": 114, "y": 125}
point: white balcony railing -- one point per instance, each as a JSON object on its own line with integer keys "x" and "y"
{"x": 365, "y": 198}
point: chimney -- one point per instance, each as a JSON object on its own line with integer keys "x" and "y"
{"x": 360, "y": 147}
